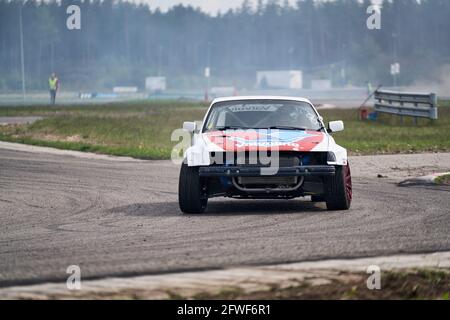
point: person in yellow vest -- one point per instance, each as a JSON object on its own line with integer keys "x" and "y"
{"x": 53, "y": 85}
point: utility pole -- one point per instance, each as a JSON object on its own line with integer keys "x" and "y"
{"x": 395, "y": 74}
{"x": 52, "y": 63}
{"x": 344, "y": 65}
{"x": 291, "y": 55}
{"x": 22, "y": 58}
{"x": 208, "y": 70}
{"x": 159, "y": 60}
{"x": 208, "y": 58}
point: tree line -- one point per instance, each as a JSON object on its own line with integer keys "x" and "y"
{"x": 120, "y": 43}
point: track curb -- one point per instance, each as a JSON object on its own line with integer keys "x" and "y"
{"x": 246, "y": 279}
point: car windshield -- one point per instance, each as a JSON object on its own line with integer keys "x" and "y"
{"x": 266, "y": 114}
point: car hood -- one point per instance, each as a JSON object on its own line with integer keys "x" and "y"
{"x": 265, "y": 139}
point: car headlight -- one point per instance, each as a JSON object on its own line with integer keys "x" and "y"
{"x": 331, "y": 157}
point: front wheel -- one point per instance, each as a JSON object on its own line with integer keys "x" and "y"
{"x": 338, "y": 189}
{"x": 192, "y": 196}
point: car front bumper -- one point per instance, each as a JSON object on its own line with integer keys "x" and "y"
{"x": 250, "y": 171}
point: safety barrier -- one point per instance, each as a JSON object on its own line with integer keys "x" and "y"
{"x": 407, "y": 104}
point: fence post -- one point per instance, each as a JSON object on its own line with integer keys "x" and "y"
{"x": 434, "y": 107}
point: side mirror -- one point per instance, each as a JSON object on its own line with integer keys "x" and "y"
{"x": 189, "y": 126}
{"x": 335, "y": 126}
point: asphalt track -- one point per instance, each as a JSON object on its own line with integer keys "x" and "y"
{"x": 121, "y": 218}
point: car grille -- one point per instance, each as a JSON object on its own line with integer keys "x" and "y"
{"x": 267, "y": 180}
{"x": 285, "y": 159}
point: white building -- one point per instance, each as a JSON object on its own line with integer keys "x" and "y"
{"x": 279, "y": 79}
{"x": 155, "y": 83}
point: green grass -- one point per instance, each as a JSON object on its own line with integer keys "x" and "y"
{"x": 138, "y": 130}
{"x": 112, "y": 108}
{"x": 422, "y": 284}
{"x": 388, "y": 135}
{"x": 444, "y": 179}
{"x": 143, "y": 129}
{"x": 444, "y": 103}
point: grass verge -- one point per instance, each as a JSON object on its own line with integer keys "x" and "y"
{"x": 408, "y": 284}
{"x": 404, "y": 285}
{"x": 140, "y": 130}
{"x": 143, "y": 129}
{"x": 443, "y": 180}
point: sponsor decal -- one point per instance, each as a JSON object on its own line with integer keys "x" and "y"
{"x": 253, "y": 107}
{"x": 254, "y": 140}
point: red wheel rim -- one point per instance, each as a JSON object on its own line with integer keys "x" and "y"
{"x": 348, "y": 183}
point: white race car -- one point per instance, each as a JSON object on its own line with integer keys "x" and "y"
{"x": 264, "y": 147}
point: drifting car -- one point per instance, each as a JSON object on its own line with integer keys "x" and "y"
{"x": 264, "y": 147}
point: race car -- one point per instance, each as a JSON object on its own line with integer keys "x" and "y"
{"x": 263, "y": 147}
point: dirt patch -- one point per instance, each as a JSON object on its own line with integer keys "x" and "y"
{"x": 411, "y": 284}
{"x": 419, "y": 284}
{"x": 400, "y": 166}
{"x": 415, "y": 171}
{"x": 54, "y": 137}
{"x": 18, "y": 120}
{"x": 75, "y": 138}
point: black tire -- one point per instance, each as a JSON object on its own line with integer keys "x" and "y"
{"x": 317, "y": 198}
{"x": 338, "y": 189}
{"x": 192, "y": 197}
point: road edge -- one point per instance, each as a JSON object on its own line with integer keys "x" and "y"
{"x": 246, "y": 279}
{"x": 61, "y": 152}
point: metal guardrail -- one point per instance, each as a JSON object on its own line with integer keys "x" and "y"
{"x": 407, "y": 104}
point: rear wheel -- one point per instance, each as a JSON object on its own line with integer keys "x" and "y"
{"x": 338, "y": 195}
{"x": 192, "y": 196}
